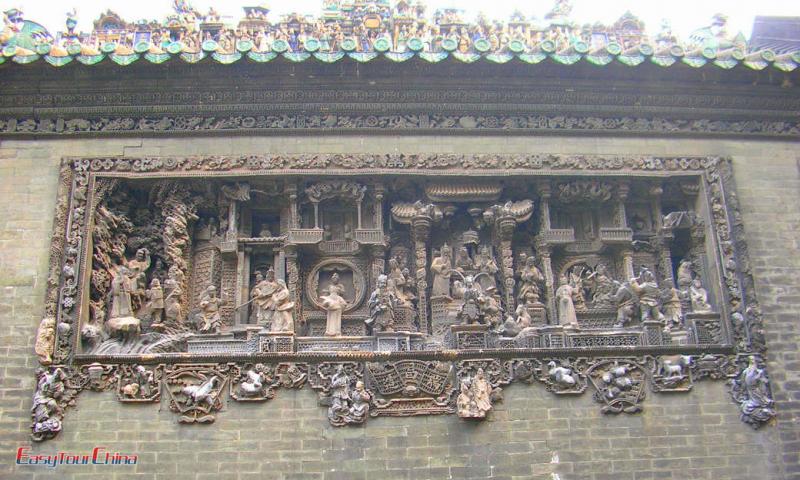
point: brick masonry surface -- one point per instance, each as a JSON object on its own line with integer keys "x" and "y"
{"x": 532, "y": 434}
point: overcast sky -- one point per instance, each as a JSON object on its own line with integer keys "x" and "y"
{"x": 685, "y": 15}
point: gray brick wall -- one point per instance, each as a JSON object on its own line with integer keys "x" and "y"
{"x": 532, "y": 434}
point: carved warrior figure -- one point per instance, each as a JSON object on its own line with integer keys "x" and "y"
{"x": 381, "y": 305}
{"x": 625, "y": 299}
{"x": 649, "y": 295}
{"x": 334, "y": 304}
{"x": 442, "y": 269}
{"x": 209, "y": 308}
{"x": 474, "y": 400}
{"x": 566, "y": 307}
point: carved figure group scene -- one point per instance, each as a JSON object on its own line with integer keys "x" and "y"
{"x": 296, "y": 265}
{"x": 397, "y": 295}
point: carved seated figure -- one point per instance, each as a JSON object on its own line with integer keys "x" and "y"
{"x": 699, "y": 297}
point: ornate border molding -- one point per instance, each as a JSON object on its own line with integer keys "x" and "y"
{"x": 288, "y": 123}
{"x": 619, "y": 382}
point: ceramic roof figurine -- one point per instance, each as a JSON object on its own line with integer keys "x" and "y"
{"x": 368, "y": 29}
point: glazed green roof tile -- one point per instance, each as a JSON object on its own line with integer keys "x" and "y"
{"x": 373, "y": 30}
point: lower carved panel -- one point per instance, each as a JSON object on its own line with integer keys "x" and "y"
{"x": 353, "y": 391}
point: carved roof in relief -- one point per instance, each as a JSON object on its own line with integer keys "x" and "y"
{"x": 368, "y": 29}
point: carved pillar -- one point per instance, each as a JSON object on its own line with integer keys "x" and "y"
{"x": 421, "y": 227}
{"x": 663, "y": 243}
{"x": 623, "y": 188}
{"x": 358, "y": 214}
{"x": 232, "y": 223}
{"x": 293, "y": 281}
{"x": 505, "y": 229}
{"x": 316, "y": 214}
{"x": 665, "y": 261}
{"x": 627, "y": 263}
{"x": 294, "y": 218}
{"x": 544, "y": 198}
{"x": 544, "y": 252}
{"x": 379, "y": 207}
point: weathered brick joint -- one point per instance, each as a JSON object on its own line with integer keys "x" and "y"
{"x": 142, "y": 246}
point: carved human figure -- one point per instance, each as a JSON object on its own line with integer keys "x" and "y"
{"x": 381, "y": 307}
{"x": 566, "y": 307}
{"x": 751, "y": 389}
{"x": 336, "y": 284}
{"x": 340, "y": 394}
{"x": 486, "y": 264}
{"x": 209, "y": 311}
{"x": 464, "y": 263}
{"x": 684, "y": 274}
{"x": 471, "y": 309}
{"x": 625, "y": 300}
{"x": 399, "y": 283}
{"x": 576, "y": 282}
{"x": 334, "y": 304}
{"x": 145, "y": 379}
{"x": 673, "y": 311}
{"x": 121, "y": 294}
{"x": 441, "y": 268}
{"x": 649, "y": 295}
{"x": 474, "y": 398}
{"x": 172, "y": 303}
{"x": 263, "y": 296}
{"x": 155, "y": 302}
{"x": 603, "y": 286}
{"x": 531, "y": 280}
{"x": 360, "y": 398}
{"x": 45, "y": 338}
{"x": 137, "y": 268}
{"x": 699, "y": 297}
{"x": 282, "y": 319}
{"x": 46, "y": 410}
{"x": 516, "y": 323}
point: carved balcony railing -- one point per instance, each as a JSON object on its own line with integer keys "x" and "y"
{"x": 557, "y": 236}
{"x": 616, "y": 235}
{"x": 369, "y": 237}
{"x": 263, "y": 240}
{"x": 305, "y": 236}
{"x": 338, "y": 246}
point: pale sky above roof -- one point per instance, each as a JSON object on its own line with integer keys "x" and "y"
{"x": 684, "y": 15}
